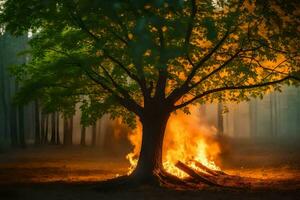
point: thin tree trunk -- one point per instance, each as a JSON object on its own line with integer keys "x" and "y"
{"x": 253, "y": 118}
{"x": 83, "y": 133}
{"x": 37, "y": 139}
{"x": 46, "y": 129}
{"x": 220, "y": 120}
{"x": 273, "y": 115}
{"x": 235, "y": 119}
{"x": 57, "y": 129}
{"x": 53, "y": 129}
{"x": 21, "y": 126}
{"x": 13, "y": 121}
{"x": 94, "y": 134}
{"x": 71, "y": 131}
{"x": 4, "y": 104}
{"x": 13, "y": 126}
{"x": 66, "y": 126}
{"x": 68, "y": 131}
{"x": 43, "y": 128}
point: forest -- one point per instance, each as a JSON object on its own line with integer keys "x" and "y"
{"x": 149, "y": 99}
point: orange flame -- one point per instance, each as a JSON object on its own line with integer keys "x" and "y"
{"x": 186, "y": 139}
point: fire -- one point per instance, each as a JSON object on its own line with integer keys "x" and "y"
{"x": 187, "y": 140}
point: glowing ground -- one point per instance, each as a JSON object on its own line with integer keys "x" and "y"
{"x": 72, "y": 173}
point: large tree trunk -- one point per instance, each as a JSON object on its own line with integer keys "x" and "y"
{"x": 150, "y": 160}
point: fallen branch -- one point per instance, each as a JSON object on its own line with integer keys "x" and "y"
{"x": 207, "y": 170}
{"x": 199, "y": 176}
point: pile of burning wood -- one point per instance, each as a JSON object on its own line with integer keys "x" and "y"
{"x": 210, "y": 177}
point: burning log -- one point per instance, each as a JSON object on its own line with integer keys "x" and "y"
{"x": 196, "y": 175}
{"x": 207, "y": 170}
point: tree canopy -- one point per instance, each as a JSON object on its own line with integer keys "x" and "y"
{"x": 119, "y": 56}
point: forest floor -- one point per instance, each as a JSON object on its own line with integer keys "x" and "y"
{"x": 56, "y": 172}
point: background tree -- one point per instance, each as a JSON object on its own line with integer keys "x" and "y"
{"x": 37, "y": 123}
{"x": 83, "y": 136}
{"x": 57, "y": 129}
{"x": 13, "y": 115}
{"x": 220, "y": 119}
{"x": 149, "y": 58}
{"x": 94, "y": 134}
{"x": 68, "y": 131}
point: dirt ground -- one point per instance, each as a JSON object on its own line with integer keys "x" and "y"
{"x": 55, "y": 172}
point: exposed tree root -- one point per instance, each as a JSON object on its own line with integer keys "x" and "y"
{"x": 161, "y": 178}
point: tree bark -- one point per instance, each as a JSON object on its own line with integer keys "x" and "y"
{"x": 150, "y": 159}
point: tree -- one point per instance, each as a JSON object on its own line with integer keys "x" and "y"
{"x": 46, "y": 131}
{"x": 220, "y": 119}
{"x": 53, "y": 128}
{"x": 43, "y": 129}
{"x": 13, "y": 114}
{"x": 37, "y": 123}
{"x": 94, "y": 134}
{"x": 253, "y": 117}
{"x": 3, "y": 92}
{"x": 22, "y": 139}
{"x": 57, "y": 128}
{"x": 82, "y": 136}
{"x": 149, "y": 58}
{"x": 68, "y": 131}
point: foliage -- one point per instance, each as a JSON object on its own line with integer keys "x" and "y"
{"x": 112, "y": 55}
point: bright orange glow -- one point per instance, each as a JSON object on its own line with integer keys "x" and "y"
{"x": 186, "y": 140}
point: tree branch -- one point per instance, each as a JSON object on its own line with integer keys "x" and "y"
{"x": 127, "y": 102}
{"x": 241, "y": 87}
{"x": 82, "y": 26}
{"x": 178, "y": 92}
{"x": 215, "y": 70}
{"x": 123, "y": 91}
{"x": 190, "y": 24}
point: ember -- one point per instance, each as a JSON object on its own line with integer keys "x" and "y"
{"x": 187, "y": 140}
